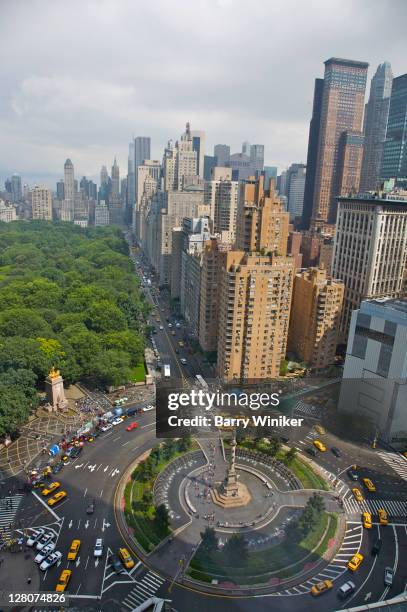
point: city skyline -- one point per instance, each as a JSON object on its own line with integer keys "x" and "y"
{"x": 65, "y": 108}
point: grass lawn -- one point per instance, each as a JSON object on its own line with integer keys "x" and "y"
{"x": 283, "y": 560}
{"x": 146, "y": 531}
{"x": 138, "y": 373}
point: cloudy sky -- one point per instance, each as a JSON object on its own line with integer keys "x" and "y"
{"x": 79, "y": 78}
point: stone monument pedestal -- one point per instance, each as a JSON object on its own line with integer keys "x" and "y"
{"x": 54, "y": 386}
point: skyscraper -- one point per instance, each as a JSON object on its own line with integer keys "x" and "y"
{"x": 69, "y": 179}
{"x": 295, "y": 185}
{"x": 60, "y": 190}
{"x": 255, "y": 298}
{"x": 115, "y": 192}
{"x": 394, "y": 163}
{"x": 257, "y": 158}
{"x": 16, "y": 190}
{"x": 314, "y": 321}
{"x": 179, "y": 161}
{"x": 198, "y": 145}
{"x": 221, "y": 195}
{"x": 222, "y": 154}
{"x": 375, "y": 124}
{"x": 370, "y": 250}
{"x": 246, "y": 148}
{"x": 67, "y": 208}
{"x": 41, "y": 198}
{"x": 255, "y": 289}
{"x": 312, "y": 154}
{"x": 142, "y": 147}
{"x": 262, "y": 224}
{"x": 350, "y": 153}
{"x": 342, "y": 109}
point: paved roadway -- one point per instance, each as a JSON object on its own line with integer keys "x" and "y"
{"x": 95, "y": 475}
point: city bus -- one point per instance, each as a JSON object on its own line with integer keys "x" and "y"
{"x": 167, "y": 371}
{"x": 201, "y": 382}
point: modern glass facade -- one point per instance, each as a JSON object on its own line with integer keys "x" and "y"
{"x": 395, "y": 147}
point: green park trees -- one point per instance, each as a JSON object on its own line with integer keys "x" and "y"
{"x": 69, "y": 299}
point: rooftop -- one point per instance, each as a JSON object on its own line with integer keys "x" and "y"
{"x": 346, "y": 62}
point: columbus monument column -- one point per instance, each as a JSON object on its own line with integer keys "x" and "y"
{"x": 231, "y": 493}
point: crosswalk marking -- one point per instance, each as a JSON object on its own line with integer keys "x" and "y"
{"x": 392, "y": 507}
{"x": 336, "y": 568}
{"x": 8, "y": 509}
{"x": 301, "y": 408}
{"x": 396, "y": 461}
{"x": 146, "y": 588}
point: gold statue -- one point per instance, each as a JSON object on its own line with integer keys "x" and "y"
{"x": 54, "y": 373}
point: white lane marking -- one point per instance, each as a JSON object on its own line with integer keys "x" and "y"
{"x": 369, "y": 574}
{"x": 148, "y": 425}
{"x": 54, "y": 514}
{"x": 396, "y": 561}
{"x": 87, "y": 561}
{"x": 118, "y": 438}
{"x": 85, "y": 491}
{"x": 106, "y": 468}
{"x": 101, "y": 493}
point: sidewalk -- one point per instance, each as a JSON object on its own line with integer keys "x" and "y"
{"x": 15, "y": 570}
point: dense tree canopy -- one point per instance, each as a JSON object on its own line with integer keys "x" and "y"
{"x": 69, "y": 299}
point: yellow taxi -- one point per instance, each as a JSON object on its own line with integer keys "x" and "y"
{"x": 367, "y": 520}
{"x": 383, "y": 518}
{"x": 320, "y": 430}
{"x": 320, "y": 445}
{"x": 47, "y": 471}
{"x": 74, "y": 549}
{"x": 173, "y": 332}
{"x": 57, "y": 498}
{"x": 63, "y": 580}
{"x": 355, "y": 562}
{"x": 321, "y": 587}
{"x": 126, "y": 558}
{"x": 158, "y": 320}
{"x": 180, "y": 344}
{"x": 369, "y": 485}
{"x": 357, "y": 495}
{"x": 51, "y": 487}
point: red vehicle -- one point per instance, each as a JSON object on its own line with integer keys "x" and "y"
{"x": 132, "y": 426}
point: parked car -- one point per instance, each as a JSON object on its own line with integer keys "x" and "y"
{"x": 51, "y": 560}
{"x": 35, "y": 536}
{"x": 336, "y": 452}
{"x": 43, "y": 554}
{"x": 91, "y": 507}
{"x": 148, "y": 408}
{"x": 44, "y": 540}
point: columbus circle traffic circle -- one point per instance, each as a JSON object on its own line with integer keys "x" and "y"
{"x": 223, "y": 518}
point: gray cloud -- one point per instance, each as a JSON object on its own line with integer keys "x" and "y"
{"x": 79, "y": 78}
